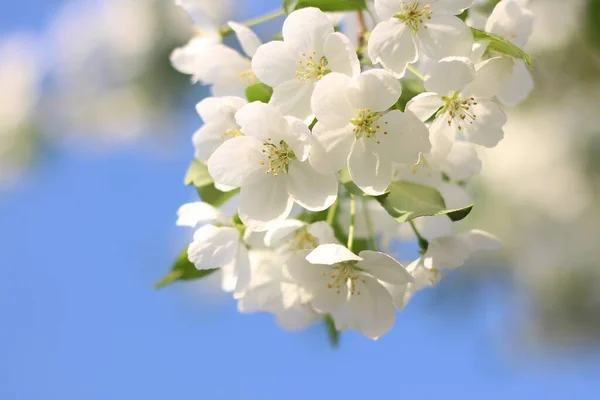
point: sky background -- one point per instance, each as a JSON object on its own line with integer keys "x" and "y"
{"x": 88, "y": 232}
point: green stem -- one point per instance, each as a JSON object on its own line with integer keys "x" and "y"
{"x": 416, "y": 72}
{"x": 226, "y": 30}
{"x": 352, "y": 222}
{"x": 331, "y": 213}
{"x": 369, "y": 224}
{"x": 423, "y": 243}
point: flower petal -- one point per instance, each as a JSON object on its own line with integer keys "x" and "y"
{"x": 282, "y": 231}
{"x": 264, "y": 200}
{"x": 306, "y": 30}
{"x": 391, "y": 44}
{"x": 330, "y": 102}
{"x": 518, "y": 86}
{"x": 376, "y": 90}
{"x": 386, "y": 9}
{"x": 216, "y": 109}
{"x": 462, "y": 162}
{"x": 450, "y": 75}
{"x": 425, "y": 105}
{"x": 236, "y": 160}
{"x": 492, "y": 75}
{"x": 511, "y": 20}
{"x": 452, "y": 7}
{"x": 483, "y": 241}
{"x": 384, "y": 267}
{"x": 486, "y": 130}
{"x": 192, "y": 214}
{"x": 273, "y": 64}
{"x": 323, "y": 232}
{"x": 446, "y": 35}
{"x": 371, "y": 172}
{"x": 403, "y": 136}
{"x": 330, "y": 254}
{"x": 293, "y": 98}
{"x": 260, "y": 120}
{"x": 213, "y": 247}
{"x": 249, "y": 41}
{"x": 332, "y": 147}
{"x": 341, "y": 55}
{"x": 311, "y": 189}
{"x": 441, "y": 136}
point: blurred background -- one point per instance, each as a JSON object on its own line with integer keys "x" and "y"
{"x": 95, "y": 130}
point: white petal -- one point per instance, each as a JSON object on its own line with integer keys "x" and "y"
{"x": 486, "y": 130}
{"x": 454, "y": 196}
{"x": 213, "y": 247}
{"x": 518, "y": 86}
{"x": 452, "y": 7}
{"x": 425, "y": 105}
{"x": 386, "y": 9}
{"x": 384, "y": 267}
{"x": 311, "y": 189}
{"x": 188, "y": 58}
{"x": 297, "y": 136}
{"x": 441, "y": 137}
{"x": 445, "y": 36}
{"x": 242, "y": 269}
{"x": 260, "y": 120}
{"x": 403, "y": 136}
{"x": 208, "y": 138}
{"x": 298, "y": 317}
{"x": 391, "y": 44}
{"x": 512, "y": 21}
{"x": 492, "y": 76}
{"x": 273, "y": 64}
{"x": 323, "y": 232}
{"x": 450, "y": 75}
{"x": 249, "y": 41}
{"x": 215, "y": 109}
{"x": 328, "y": 299}
{"x": 371, "y": 172}
{"x": 447, "y": 252}
{"x": 282, "y": 231}
{"x": 483, "y": 241}
{"x": 376, "y": 90}
{"x": 330, "y": 254}
{"x": 341, "y": 55}
{"x": 192, "y": 214}
{"x": 293, "y": 98}
{"x": 330, "y": 102}
{"x": 235, "y": 160}
{"x": 306, "y": 30}
{"x": 330, "y": 153}
{"x": 462, "y": 162}
{"x": 263, "y": 201}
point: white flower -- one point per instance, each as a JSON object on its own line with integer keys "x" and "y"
{"x": 354, "y": 128}
{"x": 459, "y": 94}
{"x": 272, "y": 289}
{"x": 310, "y": 49}
{"x": 291, "y": 235}
{"x": 513, "y": 21}
{"x": 213, "y": 63}
{"x": 414, "y": 27}
{"x": 446, "y": 252}
{"x": 269, "y": 164}
{"x": 348, "y": 286}
{"x": 218, "y": 114}
{"x": 218, "y": 244}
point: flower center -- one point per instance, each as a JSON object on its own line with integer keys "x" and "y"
{"x": 460, "y": 111}
{"x": 312, "y": 68}
{"x": 414, "y": 16}
{"x": 340, "y": 274}
{"x": 304, "y": 241}
{"x": 231, "y": 133}
{"x": 278, "y": 156}
{"x": 365, "y": 124}
{"x": 248, "y": 76}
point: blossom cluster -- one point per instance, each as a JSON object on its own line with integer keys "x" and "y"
{"x": 341, "y": 146}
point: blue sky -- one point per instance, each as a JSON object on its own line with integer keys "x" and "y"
{"x": 87, "y": 234}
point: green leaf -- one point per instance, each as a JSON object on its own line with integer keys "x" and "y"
{"x": 406, "y": 201}
{"x": 503, "y": 46}
{"x": 182, "y": 270}
{"x": 325, "y": 5}
{"x": 332, "y": 333}
{"x": 198, "y": 176}
{"x": 259, "y": 92}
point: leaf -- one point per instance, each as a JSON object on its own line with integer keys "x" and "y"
{"x": 503, "y": 46}
{"x": 406, "y": 201}
{"x": 259, "y": 92}
{"x": 182, "y": 270}
{"x": 325, "y": 5}
{"x": 198, "y": 176}
{"x": 332, "y": 333}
